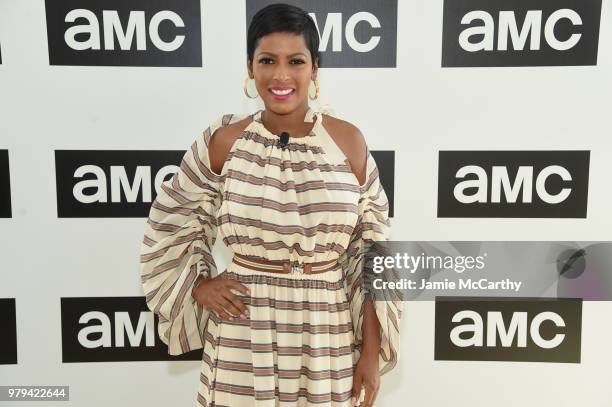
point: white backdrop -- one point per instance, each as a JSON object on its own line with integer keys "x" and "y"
{"x": 415, "y": 109}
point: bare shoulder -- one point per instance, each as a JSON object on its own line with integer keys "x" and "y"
{"x": 221, "y": 142}
{"x": 351, "y": 141}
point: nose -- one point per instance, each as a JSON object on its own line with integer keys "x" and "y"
{"x": 281, "y": 73}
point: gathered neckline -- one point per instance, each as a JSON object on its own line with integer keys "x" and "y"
{"x": 309, "y": 117}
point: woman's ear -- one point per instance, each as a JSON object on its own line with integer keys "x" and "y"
{"x": 315, "y": 69}
{"x": 250, "y": 68}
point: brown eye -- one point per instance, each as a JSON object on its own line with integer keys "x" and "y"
{"x": 297, "y": 61}
{"x": 264, "y": 61}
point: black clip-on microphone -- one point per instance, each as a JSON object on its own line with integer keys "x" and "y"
{"x": 283, "y": 140}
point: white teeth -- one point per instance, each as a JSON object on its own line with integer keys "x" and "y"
{"x": 282, "y": 92}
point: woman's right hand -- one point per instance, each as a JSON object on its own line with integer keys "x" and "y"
{"x": 216, "y": 295}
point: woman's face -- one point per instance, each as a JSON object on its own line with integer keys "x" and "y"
{"x": 282, "y": 68}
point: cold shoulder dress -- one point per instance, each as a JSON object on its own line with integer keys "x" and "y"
{"x": 299, "y": 345}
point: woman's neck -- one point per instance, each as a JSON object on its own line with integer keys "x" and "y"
{"x": 293, "y": 122}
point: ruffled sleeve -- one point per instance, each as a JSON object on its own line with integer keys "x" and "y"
{"x": 178, "y": 240}
{"x": 372, "y": 226}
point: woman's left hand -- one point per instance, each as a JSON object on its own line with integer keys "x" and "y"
{"x": 366, "y": 374}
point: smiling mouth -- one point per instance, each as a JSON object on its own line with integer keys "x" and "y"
{"x": 281, "y": 92}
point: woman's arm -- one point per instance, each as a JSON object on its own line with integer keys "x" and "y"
{"x": 366, "y": 372}
{"x": 376, "y": 325}
{"x": 371, "y": 331}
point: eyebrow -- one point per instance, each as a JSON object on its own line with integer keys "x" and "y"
{"x": 273, "y": 54}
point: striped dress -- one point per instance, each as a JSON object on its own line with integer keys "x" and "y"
{"x": 299, "y": 345}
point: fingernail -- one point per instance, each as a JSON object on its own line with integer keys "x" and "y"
{"x": 242, "y": 316}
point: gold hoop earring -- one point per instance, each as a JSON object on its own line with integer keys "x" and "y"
{"x": 316, "y": 95}
{"x": 246, "y": 91}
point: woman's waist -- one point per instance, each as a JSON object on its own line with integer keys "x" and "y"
{"x": 285, "y": 266}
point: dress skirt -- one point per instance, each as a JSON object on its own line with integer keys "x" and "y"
{"x": 294, "y": 349}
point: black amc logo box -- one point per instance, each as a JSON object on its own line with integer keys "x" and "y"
{"x": 353, "y": 33}
{"x": 520, "y": 33}
{"x": 124, "y": 32}
{"x": 111, "y": 183}
{"x": 385, "y": 161}
{"x": 8, "y": 339}
{"x": 508, "y": 329}
{"x": 112, "y": 329}
{"x": 513, "y": 184}
{"x": 5, "y": 185}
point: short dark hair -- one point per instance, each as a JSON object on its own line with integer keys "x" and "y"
{"x": 280, "y": 17}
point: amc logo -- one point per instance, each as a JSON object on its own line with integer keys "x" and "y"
{"x": 352, "y": 33}
{"x": 504, "y": 329}
{"x": 105, "y": 329}
{"x": 520, "y": 33}
{"x": 124, "y": 32}
{"x": 513, "y": 184}
{"x": 111, "y": 183}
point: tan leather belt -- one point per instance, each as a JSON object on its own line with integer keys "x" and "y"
{"x": 284, "y": 266}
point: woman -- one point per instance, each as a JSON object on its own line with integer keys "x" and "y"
{"x": 288, "y": 322}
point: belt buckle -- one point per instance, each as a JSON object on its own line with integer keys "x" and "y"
{"x": 297, "y": 268}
